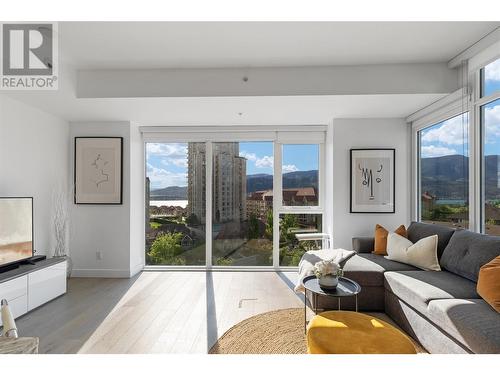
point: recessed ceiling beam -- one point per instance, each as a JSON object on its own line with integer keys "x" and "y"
{"x": 286, "y": 81}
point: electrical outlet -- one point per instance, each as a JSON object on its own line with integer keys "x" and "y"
{"x": 98, "y": 255}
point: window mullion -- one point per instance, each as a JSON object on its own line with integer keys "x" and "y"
{"x": 208, "y": 203}
{"x": 474, "y": 172}
{"x": 277, "y": 202}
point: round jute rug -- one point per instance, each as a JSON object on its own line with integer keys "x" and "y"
{"x": 274, "y": 332}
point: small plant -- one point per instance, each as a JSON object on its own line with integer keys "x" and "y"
{"x": 327, "y": 267}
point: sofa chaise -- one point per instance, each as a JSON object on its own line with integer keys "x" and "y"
{"x": 441, "y": 309}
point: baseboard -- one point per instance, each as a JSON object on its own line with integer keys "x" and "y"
{"x": 105, "y": 273}
{"x": 136, "y": 269}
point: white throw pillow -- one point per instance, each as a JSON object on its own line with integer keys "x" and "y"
{"x": 422, "y": 254}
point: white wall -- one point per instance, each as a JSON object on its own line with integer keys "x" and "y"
{"x": 137, "y": 201}
{"x": 368, "y": 133}
{"x": 104, "y": 228}
{"x": 34, "y": 155}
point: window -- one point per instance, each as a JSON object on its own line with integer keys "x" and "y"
{"x": 444, "y": 172}
{"x": 490, "y": 118}
{"x": 242, "y": 226}
{"x": 291, "y": 250}
{"x": 300, "y": 168}
{"x": 232, "y": 203}
{"x": 175, "y": 203}
{"x": 490, "y": 131}
{"x": 490, "y": 79}
{"x": 447, "y": 172}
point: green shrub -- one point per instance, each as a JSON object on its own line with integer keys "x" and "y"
{"x": 223, "y": 261}
{"x": 166, "y": 249}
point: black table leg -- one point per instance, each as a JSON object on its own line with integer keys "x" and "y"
{"x": 315, "y": 304}
{"x": 305, "y": 310}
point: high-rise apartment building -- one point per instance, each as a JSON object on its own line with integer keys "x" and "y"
{"x": 229, "y": 182}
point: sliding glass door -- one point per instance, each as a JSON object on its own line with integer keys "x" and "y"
{"x": 175, "y": 196}
{"x": 242, "y": 196}
{"x": 215, "y": 203}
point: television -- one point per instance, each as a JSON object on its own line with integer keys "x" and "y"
{"x": 16, "y": 230}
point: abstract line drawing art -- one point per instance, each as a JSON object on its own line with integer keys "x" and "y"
{"x": 367, "y": 178}
{"x": 100, "y": 164}
{"x": 98, "y": 170}
{"x": 372, "y": 180}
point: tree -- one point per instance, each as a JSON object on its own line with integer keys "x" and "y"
{"x": 286, "y": 223}
{"x": 192, "y": 219}
{"x": 166, "y": 249}
{"x": 269, "y": 225}
{"x": 253, "y": 227}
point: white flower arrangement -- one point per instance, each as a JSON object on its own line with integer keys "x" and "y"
{"x": 327, "y": 267}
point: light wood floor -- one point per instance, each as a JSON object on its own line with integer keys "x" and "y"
{"x": 155, "y": 312}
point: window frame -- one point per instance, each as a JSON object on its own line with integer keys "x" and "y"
{"x": 445, "y": 114}
{"x": 279, "y": 208}
{"x": 468, "y": 99}
{"x": 279, "y": 135}
{"x": 479, "y": 102}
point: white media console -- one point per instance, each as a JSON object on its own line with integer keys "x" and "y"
{"x": 31, "y": 285}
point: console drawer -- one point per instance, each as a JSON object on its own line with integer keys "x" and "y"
{"x": 46, "y": 284}
{"x": 14, "y": 288}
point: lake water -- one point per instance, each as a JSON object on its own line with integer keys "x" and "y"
{"x": 180, "y": 203}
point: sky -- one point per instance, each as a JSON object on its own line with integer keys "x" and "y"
{"x": 167, "y": 162}
{"x": 450, "y": 137}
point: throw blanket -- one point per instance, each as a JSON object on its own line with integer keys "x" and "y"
{"x": 310, "y": 258}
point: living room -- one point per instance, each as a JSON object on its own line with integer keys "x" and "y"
{"x": 260, "y": 187}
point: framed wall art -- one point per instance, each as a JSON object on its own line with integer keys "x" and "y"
{"x": 98, "y": 170}
{"x": 372, "y": 180}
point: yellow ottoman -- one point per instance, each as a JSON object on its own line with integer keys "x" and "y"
{"x": 349, "y": 332}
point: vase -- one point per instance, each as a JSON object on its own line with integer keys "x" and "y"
{"x": 69, "y": 264}
{"x": 328, "y": 281}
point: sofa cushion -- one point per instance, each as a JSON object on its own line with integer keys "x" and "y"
{"x": 472, "y": 322}
{"x": 488, "y": 284}
{"x": 422, "y": 254}
{"x": 418, "y": 288}
{"x": 363, "y": 244}
{"x": 417, "y": 231}
{"x": 368, "y": 269}
{"x": 468, "y": 251}
{"x": 381, "y": 234}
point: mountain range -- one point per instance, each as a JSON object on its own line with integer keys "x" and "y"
{"x": 255, "y": 182}
{"x": 447, "y": 176}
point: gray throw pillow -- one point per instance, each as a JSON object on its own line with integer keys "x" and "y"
{"x": 468, "y": 251}
{"x": 417, "y": 231}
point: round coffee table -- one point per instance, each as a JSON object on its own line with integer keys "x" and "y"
{"x": 345, "y": 288}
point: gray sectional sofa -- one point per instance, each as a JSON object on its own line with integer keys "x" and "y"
{"x": 442, "y": 310}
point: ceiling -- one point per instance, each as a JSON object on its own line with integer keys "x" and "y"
{"x": 111, "y": 45}
{"x": 130, "y": 45}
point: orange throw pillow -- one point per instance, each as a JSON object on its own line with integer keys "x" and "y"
{"x": 488, "y": 283}
{"x": 380, "y": 247}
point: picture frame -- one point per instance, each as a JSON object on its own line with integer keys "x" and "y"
{"x": 98, "y": 170}
{"x": 373, "y": 180}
